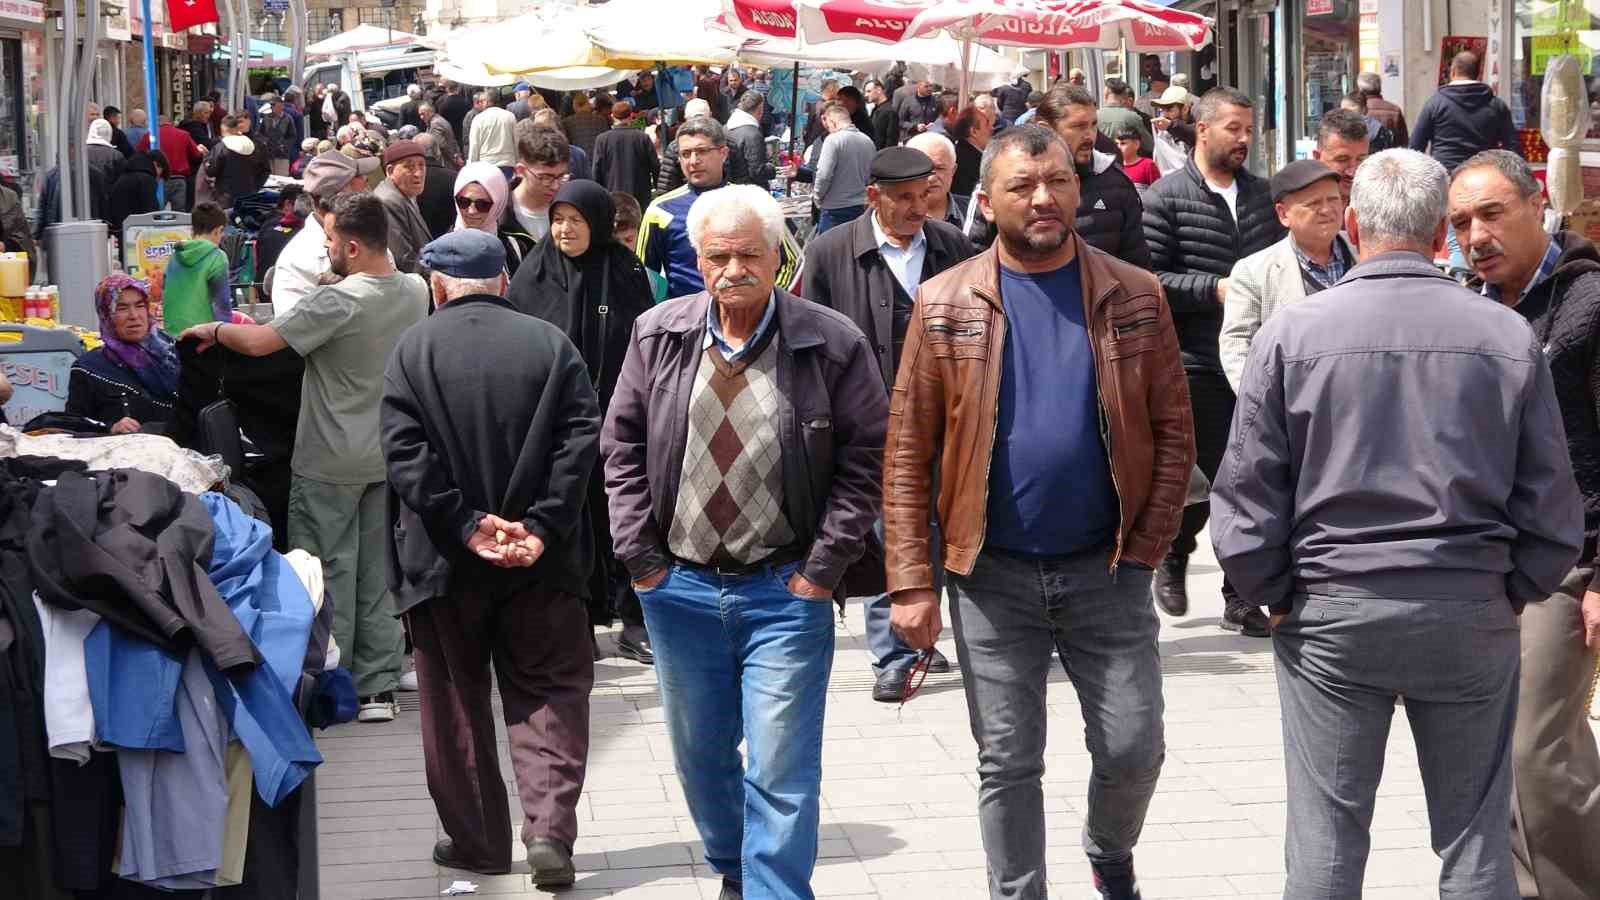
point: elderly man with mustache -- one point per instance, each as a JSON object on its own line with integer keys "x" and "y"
{"x": 1497, "y": 210}
{"x": 742, "y": 450}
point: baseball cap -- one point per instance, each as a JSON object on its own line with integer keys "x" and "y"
{"x": 331, "y": 171}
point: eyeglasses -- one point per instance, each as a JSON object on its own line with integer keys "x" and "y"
{"x": 915, "y": 677}
{"x": 482, "y": 206}
{"x": 550, "y": 180}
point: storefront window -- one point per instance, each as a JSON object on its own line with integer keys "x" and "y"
{"x": 12, "y": 133}
{"x": 1332, "y": 45}
{"x": 1542, "y": 30}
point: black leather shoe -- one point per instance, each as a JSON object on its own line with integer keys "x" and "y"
{"x": 1172, "y": 593}
{"x": 891, "y": 685}
{"x": 938, "y": 663}
{"x": 1248, "y": 620}
{"x": 551, "y": 863}
{"x": 634, "y": 644}
{"x": 731, "y": 890}
{"x": 444, "y": 854}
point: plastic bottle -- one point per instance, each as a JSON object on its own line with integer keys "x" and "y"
{"x": 50, "y": 302}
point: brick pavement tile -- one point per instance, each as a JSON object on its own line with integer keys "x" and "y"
{"x": 1217, "y": 829}
{"x": 647, "y": 857}
{"x": 384, "y": 871}
{"x": 637, "y": 876}
{"x": 1185, "y": 888}
{"x": 397, "y": 889}
{"x": 341, "y": 823}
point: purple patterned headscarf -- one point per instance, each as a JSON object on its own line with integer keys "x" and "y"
{"x": 155, "y": 359}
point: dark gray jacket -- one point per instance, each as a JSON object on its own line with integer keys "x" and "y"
{"x": 458, "y": 445}
{"x": 1396, "y": 436}
{"x": 844, "y": 270}
{"x": 832, "y": 435}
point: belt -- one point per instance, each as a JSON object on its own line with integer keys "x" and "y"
{"x": 743, "y": 570}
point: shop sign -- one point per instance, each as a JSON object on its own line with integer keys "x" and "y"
{"x": 275, "y": 5}
{"x": 199, "y": 43}
{"x": 117, "y": 28}
{"x": 149, "y": 250}
{"x": 1319, "y": 7}
{"x": 23, "y": 11}
{"x": 38, "y": 382}
{"x": 1546, "y": 47}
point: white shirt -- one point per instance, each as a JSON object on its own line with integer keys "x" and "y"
{"x": 68, "y": 715}
{"x": 1230, "y": 195}
{"x": 493, "y": 137}
{"x": 534, "y": 222}
{"x": 301, "y": 262}
{"x": 904, "y": 262}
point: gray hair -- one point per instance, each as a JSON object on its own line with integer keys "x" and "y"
{"x": 1034, "y": 140}
{"x": 1515, "y": 169}
{"x": 453, "y": 287}
{"x": 1399, "y": 196}
{"x": 736, "y": 203}
{"x": 1370, "y": 84}
{"x": 706, "y": 127}
{"x": 1180, "y": 80}
{"x": 750, "y": 101}
{"x": 413, "y": 91}
{"x": 424, "y": 106}
{"x": 696, "y": 108}
{"x": 429, "y": 148}
{"x": 924, "y": 140}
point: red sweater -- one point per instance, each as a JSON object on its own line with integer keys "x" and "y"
{"x": 1142, "y": 172}
{"x": 182, "y": 153}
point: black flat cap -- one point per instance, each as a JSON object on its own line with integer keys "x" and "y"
{"x": 893, "y": 164}
{"x": 467, "y": 253}
{"x": 1299, "y": 175}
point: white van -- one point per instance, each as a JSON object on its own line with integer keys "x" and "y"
{"x": 372, "y": 75}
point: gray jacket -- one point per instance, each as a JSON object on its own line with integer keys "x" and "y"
{"x": 835, "y": 415}
{"x": 843, "y": 169}
{"x": 1396, "y": 436}
{"x": 408, "y": 231}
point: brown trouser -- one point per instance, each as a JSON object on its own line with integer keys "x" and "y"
{"x": 1555, "y": 804}
{"x": 538, "y": 643}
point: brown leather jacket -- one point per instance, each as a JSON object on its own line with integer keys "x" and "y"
{"x": 946, "y": 401}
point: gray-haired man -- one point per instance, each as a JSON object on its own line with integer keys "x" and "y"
{"x": 1395, "y": 489}
{"x": 742, "y": 450}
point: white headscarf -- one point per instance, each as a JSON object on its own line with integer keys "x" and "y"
{"x": 99, "y": 133}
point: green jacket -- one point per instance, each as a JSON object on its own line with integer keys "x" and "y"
{"x": 195, "y": 289}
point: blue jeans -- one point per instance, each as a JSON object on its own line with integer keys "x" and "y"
{"x": 1008, "y": 614}
{"x": 844, "y": 215}
{"x": 741, "y": 658}
{"x": 1458, "y": 258}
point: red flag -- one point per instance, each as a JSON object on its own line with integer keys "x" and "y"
{"x": 183, "y": 14}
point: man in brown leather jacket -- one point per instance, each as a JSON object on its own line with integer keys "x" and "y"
{"x": 1046, "y": 376}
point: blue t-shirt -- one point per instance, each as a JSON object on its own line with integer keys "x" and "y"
{"x": 1050, "y": 490}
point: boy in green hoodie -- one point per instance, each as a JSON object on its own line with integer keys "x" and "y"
{"x": 195, "y": 288}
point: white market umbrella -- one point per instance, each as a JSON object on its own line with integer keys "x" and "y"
{"x": 361, "y": 37}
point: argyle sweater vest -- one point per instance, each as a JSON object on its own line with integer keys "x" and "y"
{"x": 730, "y": 493}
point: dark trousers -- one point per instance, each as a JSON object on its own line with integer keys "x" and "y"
{"x": 537, "y": 642}
{"x": 1212, "y": 400}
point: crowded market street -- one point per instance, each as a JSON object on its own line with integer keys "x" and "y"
{"x": 898, "y": 789}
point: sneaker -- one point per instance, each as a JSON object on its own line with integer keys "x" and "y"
{"x": 408, "y": 682}
{"x": 1172, "y": 594}
{"x": 550, "y": 863}
{"x": 378, "y": 708}
{"x": 1115, "y": 882}
{"x": 890, "y": 685}
{"x": 1248, "y": 620}
{"x": 634, "y": 644}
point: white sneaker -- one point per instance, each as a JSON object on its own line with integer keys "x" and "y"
{"x": 408, "y": 682}
{"x": 378, "y": 708}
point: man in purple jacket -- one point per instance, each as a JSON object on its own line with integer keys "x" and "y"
{"x": 742, "y": 452}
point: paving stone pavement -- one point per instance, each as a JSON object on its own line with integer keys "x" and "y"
{"x": 899, "y": 790}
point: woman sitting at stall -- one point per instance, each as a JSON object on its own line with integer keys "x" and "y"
{"x": 130, "y": 383}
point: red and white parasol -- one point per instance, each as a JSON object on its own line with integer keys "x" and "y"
{"x": 1040, "y": 24}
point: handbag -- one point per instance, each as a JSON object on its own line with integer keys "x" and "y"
{"x": 217, "y": 428}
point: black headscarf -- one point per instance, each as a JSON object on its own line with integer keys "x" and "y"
{"x": 570, "y": 292}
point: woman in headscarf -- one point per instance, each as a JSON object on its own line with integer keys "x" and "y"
{"x": 104, "y": 158}
{"x": 130, "y": 382}
{"x": 480, "y": 195}
{"x": 584, "y": 282}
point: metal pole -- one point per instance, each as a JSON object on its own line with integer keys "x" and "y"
{"x": 244, "y": 79}
{"x": 86, "y": 73}
{"x": 297, "y": 41}
{"x": 152, "y": 109}
{"x": 64, "y": 114}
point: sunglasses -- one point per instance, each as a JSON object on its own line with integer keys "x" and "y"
{"x": 915, "y": 678}
{"x": 482, "y": 206}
